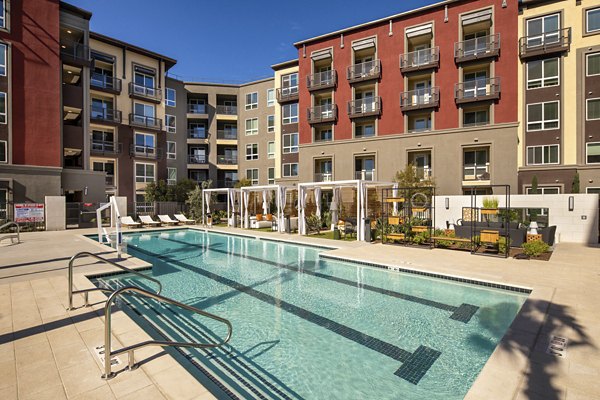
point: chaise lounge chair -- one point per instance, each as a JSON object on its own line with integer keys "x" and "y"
{"x": 148, "y": 221}
{"x": 165, "y": 219}
{"x": 129, "y": 222}
{"x": 184, "y": 219}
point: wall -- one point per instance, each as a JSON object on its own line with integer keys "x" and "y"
{"x": 31, "y": 184}
{"x": 56, "y": 213}
{"x": 180, "y": 135}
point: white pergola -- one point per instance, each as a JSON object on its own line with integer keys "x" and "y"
{"x": 231, "y": 195}
{"x": 280, "y": 199}
{"x": 361, "y": 202}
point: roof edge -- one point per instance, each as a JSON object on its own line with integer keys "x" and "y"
{"x": 76, "y": 10}
{"x": 285, "y": 64}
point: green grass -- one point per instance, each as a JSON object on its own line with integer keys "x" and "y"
{"x": 329, "y": 235}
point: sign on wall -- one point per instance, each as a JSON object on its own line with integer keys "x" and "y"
{"x": 29, "y": 212}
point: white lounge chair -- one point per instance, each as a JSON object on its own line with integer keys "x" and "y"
{"x": 129, "y": 222}
{"x": 165, "y": 219}
{"x": 147, "y": 220}
{"x": 184, "y": 219}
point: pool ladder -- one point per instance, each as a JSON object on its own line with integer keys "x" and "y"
{"x": 108, "y": 352}
{"x": 11, "y": 236}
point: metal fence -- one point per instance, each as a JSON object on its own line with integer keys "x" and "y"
{"x": 156, "y": 208}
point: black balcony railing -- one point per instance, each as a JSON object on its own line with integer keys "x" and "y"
{"x": 545, "y": 43}
{"x": 477, "y": 90}
{"x": 73, "y": 51}
{"x": 197, "y": 159}
{"x": 105, "y": 147}
{"x": 195, "y": 133}
{"x": 322, "y": 114}
{"x": 197, "y": 108}
{"x": 227, "y": 183}
{"x": 103, "y": 82}
{"x": 364, "y": 107}
{"x": 321, "y": 80}
{"x": 420, "y": 99}
{"x": 227, "y": 160}
{"x": 109, "y": 115}
{"x": 420, "y": 59}
{"x": 227, "y": 134}
{"x": 286, "y": 94}
{"x": 144, "y": 121}
{"x": 151, "y": 152}
{"x": 364, "y": 71}
{"x": 226, "y": 110}
{"x": 477, "y": 48}
{"x": 145, "y": 92}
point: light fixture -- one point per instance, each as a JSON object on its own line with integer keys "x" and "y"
{"x": 447, "y": 203}
{"x": 69, "y": 72}
{"x": 533, "y": 225}
{"x": 63, "y": 46}
{"x": 571, "y": 203}
{"x": 68, "y": 31}
{"x": 85, "y": 190}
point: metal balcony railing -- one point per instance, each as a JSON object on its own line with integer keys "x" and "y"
{"x": 364, "y": 71}
{"x": 197, "y": 108}
{"x": 227, "y": 183}
{"x": 477, "y": 90}
{"x": 226, "y": 110}
{"x": 420, "y": 59}
{"x": 227, "y": 160}
{"x": 323, "y": 177}
{"x": 321, "y": 80}
{"x": 477, "y": 48}
{"x": 103, "y": 82}
{"x": 422, "y": 173}
{"x": 197, "y": 159}
{"x": 74, "y": 51}
{"x": 420, "y": 99}
{"x": 365, "y": 175}
{"x": 321, "y": 114}
{"x": 195, "y": 133}
{"x": 145, "y": 121}
{"x": 287, "y": 94}
{"x": 545, "y": 43}
{"x": 145, "y": 92}
{"x": 106, "y": 115}
{"x": 364, "y": 107}
{"x": 105, "y": 147}
{"x": 227, "y": 134}
{"x": 150, "y": 152}
{"x": 472, "y": 172}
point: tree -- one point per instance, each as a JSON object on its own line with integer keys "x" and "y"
{"x": 408, "y": 178}
{"x": 534, "y": 185}
{"x": 194, "y": 202}
{"x": 243, "y": 182}
{"x": 179, "y": 192}
{"x": 575, "y": 187}
{"x": 156, "y": 191}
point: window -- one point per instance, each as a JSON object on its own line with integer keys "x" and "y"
{"x": 592, "y": 153}
{"x": 170, "y": 95}
{"x": 542, "y": 154}
{"x": 290, "y": 170}
{"x": 270, "y": 97}
{"x": 289, "y": 84}
{"x": 170, "y": 123}
{"x": 252, "y": 151}
{"x": 419, "y": 123}
{"x": 593, "y": 64}
{"x": 593, "y": 109}
{"x": 252, "y": 175}
{"x": 252, "y": 126}
{"x": 108, "y": 167}
{"x": 476, "y": 165}
{"x": 143, "y": 83}
{"x": 3, "y": 59}
{"x": 323, "y": 135}
{"x": 197, "y": 130}
{"x": 3, "y": 152}
{"x": 144, "y": 173}
{"x": 290, "y": 143}
{"x": 103, "y": 140}
{"x": 543, "y": 30}
{"x": 2, "y": 14}
{"x": 171, "y": 151}
{"x": 270, "y": 123}
{"x": 476, "y": 117}
{"x": 271, "y": 176}
{"x": 290, "y": 113}
{"x": 544, "y": 190}
{"x": 144, "y": 143}
{"x": 2, "y": 108}
{"x": 542, "y": 116}
{"x": 589, "y": 190}
{"x": 171, "y": 176}
{"x": 251, "y": 101}
{"x": 364, "y": 130}
{"x": 143, "y": 114}
{"x": 196, "y": 106}
{"x": 542, "y": 73}
{"x": 270, "y": 150}
{"x": 592, "y": 20}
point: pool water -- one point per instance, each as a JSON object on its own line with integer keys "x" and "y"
{"x": 307, "y": 326}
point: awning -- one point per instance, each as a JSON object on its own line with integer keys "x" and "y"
{"x": 420, "y": 30}
{"x": 321, "y": 54}
{"x": 476, "y": 17}
{"x": 363, "y": 44}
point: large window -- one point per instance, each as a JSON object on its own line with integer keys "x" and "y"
{"x": 289, "y": 84}
{"x": 270, "y": 97}
{"x": 543, "y": 30}
{"x": 252, "y": 151}
{"x": 270, "y": 123}
{"x": 542, "y": 73}
{"x": 107, "y": 166}
{"x": 170, "y": 95}
{"x": 542, "y": 116}
{"x": 290, "y": 113}
{"x": 197, "y": 130}
{"x": 290, "y": 170}
{"x": 252, "y": 126}
{"x": 143, "y": 83}
{"x": 145, "y": 143}
{"x": 476, "y": 164}
{"x": 171, "y": 176}
{"x": 290, "y": 143}
{"x": 170, "y": 123}
{"x": 171, "y": 150}
{"x": 323, "y": 134}
{"x": 144, "y": 114}
{"x": 3, "y": 59}
{"x": 251, "y": 101}
{"x": 196, "y": 106}
{"x": 476, "y": 117}
{"x": 3, "y": 152}
{"x": 271, "y": 178}
{"x": 593, "y": 64}
{"x": 544, "y": 190}
{"x": 2, "y": 13}
{"x": 593, "y": 109}
{"x": 592, "y": 20}
{"x": 252, "y": 176}
{"x": 364, "y": 130}
{"x": 271, "y": 150}
{"x": 103, "y": 140}
{"x": 592, "y": 153}
{"x": 144, "y": 173}
{"x": 2, "y": 108}
{"x": 537, "y": 155}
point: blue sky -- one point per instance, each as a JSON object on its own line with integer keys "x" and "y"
{"x": 230, "y": 40}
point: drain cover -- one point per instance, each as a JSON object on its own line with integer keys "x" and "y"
{"x": 99, "y": 350}
{"x": 557, "y": 346}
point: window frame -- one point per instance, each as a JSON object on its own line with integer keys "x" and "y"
{"x": 587, "y": 63}
{"x": 168, "y": 128}
{"x": 527, "y": 161}
{"x": 169, "y": 102}
{"x": 289, "y": 166}
{"x": 291, "y": 119}
{"x": 5, "y": 155}
{"x": 4, "y": 67}
{"x": 270, "y": 97}
{"x": 543, "y": 78}
{"x": 171, "y": 155}
{"x": 542, "y": 188}
{"x": 271, "y": 172}
{"x": 4, "y": 115}
{"x": 3, "y": 15}
{"x": 145, "y": 177}
{"x": 270, "y": 154}
{"x": 252, "y": 180}
{"x": 290, "y": 149}
{"x": 251, "y": 105}
{"x": 587, "y": 109}
{"x": 476, "y": 111}
{"x": 174, "y": 181}
{"x": 318, "y": 131}
{"x": 587, "y": 189}
{"x": 586, "y": 153}
{"x": 270, "y": 127}
{"x": 586, "y": 20}
{"x": 475, "y": 166}
{"x": 253, "y": 155}
{"x": 251, "y": 131}
{"x": 543, "y": 121}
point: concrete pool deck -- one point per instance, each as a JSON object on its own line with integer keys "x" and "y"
{"x": 47, "y": 352}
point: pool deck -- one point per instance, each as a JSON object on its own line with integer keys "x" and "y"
{"x": 48, "y": 352}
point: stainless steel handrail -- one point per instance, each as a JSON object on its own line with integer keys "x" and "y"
{"x": 108, "y": 352}
{"x": 11, "y": 236}
{"x": 114, "y": 264}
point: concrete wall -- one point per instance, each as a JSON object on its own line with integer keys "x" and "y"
{"x": 577, "y": 226}
{"x": 77, "y": 179}
{"x": 56, "y": 213}
{"x": 30, "y": 184}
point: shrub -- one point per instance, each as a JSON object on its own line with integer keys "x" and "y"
{"x": 444, "y": 243}
{"x": 420, "y": 238}
{"x": 502, "y": 245}
{"x": 490, "y": 202}
{"x": 535, "y": 248}
{"x": 313, "y": 223}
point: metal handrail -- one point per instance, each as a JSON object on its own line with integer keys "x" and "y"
{"x": 108, "y": 374}
{"x": 104, "y": 260}
{"x": 12, "y": 235}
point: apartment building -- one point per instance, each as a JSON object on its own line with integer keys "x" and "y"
{"x": 559, "y": 95}
{"x": 432, "y": 87}
{"x": 176, "y": 130}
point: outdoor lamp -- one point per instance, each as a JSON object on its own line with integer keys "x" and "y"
{"x": 533, "y": 225}
{"x": 571, "y": 203}
{"x": 447, "y": 203}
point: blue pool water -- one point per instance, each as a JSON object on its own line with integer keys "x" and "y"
{"x": 305, "y": 326}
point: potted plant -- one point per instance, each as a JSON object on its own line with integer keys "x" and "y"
{"x": 490, "y": 206}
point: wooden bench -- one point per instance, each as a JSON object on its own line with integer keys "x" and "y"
{"x": 394, "y": 236}
{"x": 450, "y": 239}
{"x": 419, "y": 229}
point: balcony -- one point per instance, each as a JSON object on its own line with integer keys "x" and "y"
{"x": 365, "y": 175}
{"x": 99, "y": 147}
{"x": 420, "y": 99}
{"x": 142, "y": 121}
{"x": 197, "y": 159}
{"x": 105, "y": 115}
{"x": 423, "y": 173}
{"x": 472, "y": 172}
{"x": 364, "y": 107}
{"x": 323, "y": 177}
{"x": 364, "y": 71}
{"x": 477, "y": 49}
{"x": 195, "y": 133}
{"x": 227, "y": 110}
{"x": 109, "y": 181}
{"x": 545, "y": 43}
{"x": 287, "y": 94}
{"x": 149, "y": 152}
{"x": 227, "y": 134}
{"x": 321, "y": 80}
{"x": 227, "y": 183}
{"x": 75, "y": 53}
{"x": 145, "y": 93}
{"x": 322, "y": 114}
{"x": 477, "y": 90}
{"x": 420, "y": 60}
{"x": 227, "y": 160}
{"x": 197, "y": 109}
{"x": 105, "y": 83}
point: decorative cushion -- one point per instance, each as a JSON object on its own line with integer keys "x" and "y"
{"x": 259, "y": 217}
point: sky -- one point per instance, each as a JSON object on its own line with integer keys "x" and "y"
{"x": 231, "y": 41}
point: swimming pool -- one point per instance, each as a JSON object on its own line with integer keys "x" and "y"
{"x": 307, "y": 326}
